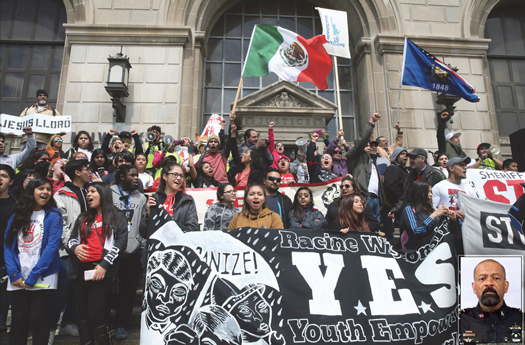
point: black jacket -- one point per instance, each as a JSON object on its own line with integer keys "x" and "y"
{"x": 317, "y": 174}
{"x": 394, "y": 180}
{"x": 489, "y": 328}
{"x": 110, "y": 258}
{"x": 432, "y": 175}
{"x": 184, "y": 214}
{"x": 312, "y": 219}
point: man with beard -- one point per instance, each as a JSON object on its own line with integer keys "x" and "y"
{"x": 40, "y": 107}
{"x": 277, "y": 202}
{"x": 446, "y": 191}
{"x": 321, "y": 169}
{"x": 491, "y": 318}
{"x": 251, "y": 141}
{"x": 395, "y": 176}
{"x": 133, "y": 203}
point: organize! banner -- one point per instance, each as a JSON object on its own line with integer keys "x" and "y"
{"x": 323, "y": 195}
{"x": 40, "y": 123}
{"x": 496, "y": 185}
{"x": 268, "y": 286}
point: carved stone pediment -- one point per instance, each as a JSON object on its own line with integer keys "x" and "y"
{"x": 295, "y": 111}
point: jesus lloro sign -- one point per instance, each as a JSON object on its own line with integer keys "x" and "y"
{"x": 40, "y": 123}
{"x": 268, "y": 286}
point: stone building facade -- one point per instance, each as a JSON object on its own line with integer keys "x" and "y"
{"x": 168, "y": 44}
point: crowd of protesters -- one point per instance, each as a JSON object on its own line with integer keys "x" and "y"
{"x": 76, "y": 219}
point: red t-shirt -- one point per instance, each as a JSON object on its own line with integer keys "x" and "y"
{"x": 94, "y": 241}
{"x": 285, "y": 178}
{"x": 219, "y": 169}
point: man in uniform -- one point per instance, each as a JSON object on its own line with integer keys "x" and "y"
{"x": 490, "y": 320}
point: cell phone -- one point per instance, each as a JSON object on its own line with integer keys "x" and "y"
{"x": 89, "y": 274}
{"x": 101, "y": 171}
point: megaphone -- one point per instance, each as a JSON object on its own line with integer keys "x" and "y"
{"x": 301, "y": 144}
{"x": 494, "y": 150}
{"x": 150, "y": 136}
{"x": 168, "y": 139}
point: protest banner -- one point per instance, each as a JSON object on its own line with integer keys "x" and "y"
{"x": 497, "y": 185}
{"x": 269, "y": 286}
{"x": 40, "y": 123}
{"x": 323, "y": 195}
{"x": 213, "y": 126}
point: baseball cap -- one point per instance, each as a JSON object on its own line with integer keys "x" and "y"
{"x": 453, "y": 134}
{"x": 484, "y": 144}
{"x": 124, "y": 134}
{"x": 374, "y": 142}
{"x": 456, "y": 160}
{"x": 418, "y": 152}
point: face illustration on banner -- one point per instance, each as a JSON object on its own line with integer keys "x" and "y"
{"x": 168, "y": 282}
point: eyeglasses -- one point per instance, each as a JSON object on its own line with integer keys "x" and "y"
{"x": 300, "y": 155}
{"x": 306, "y": 195}
{"x": 233, "y": 191}
{"x": 58, "y": 140}
{"x": 346, "y": 186}
{"x": 337, "y": 152}
{"x": 274, "y": 179}
{"x": 175, "y": 175}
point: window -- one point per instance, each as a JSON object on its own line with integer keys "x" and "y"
{"x": 228, "y": 44}
{"x": 31, "y": 48}
{"x": 506, "y": 56}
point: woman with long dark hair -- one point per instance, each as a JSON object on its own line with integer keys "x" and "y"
{"x": 419, "y": 218}
{"x": 99, "y": 163}
{"x": 31, "y": 256}
{"x": 254, "y": 212}
{"x": 219, "y": 215}
{"x": 81, "y": 143}
{"x": 303, "y": 215}
{"x": 98, "y": 237}
{"x": 350, "y": 216}
{"x": 350, "y": 186}
{"x": 251, "y": 169}
{"x": 171, "y": 195}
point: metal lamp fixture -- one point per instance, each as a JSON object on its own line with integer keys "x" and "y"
{"x": 117, "y": 85}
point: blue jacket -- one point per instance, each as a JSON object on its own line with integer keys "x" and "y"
{"x": 49, "y": 261}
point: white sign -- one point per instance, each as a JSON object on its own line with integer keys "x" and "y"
{"x": 213, "y": 126}
{"x": 38, "y": 122}
{"x": 497, "y": 185}
{"x": 335, "y": 29}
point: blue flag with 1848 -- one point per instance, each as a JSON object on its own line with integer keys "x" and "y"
{"x": 422, "y": 69}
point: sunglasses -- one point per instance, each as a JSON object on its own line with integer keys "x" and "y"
{"x": 279, "y": 145}
{"x": 346, "y": 186}
{"x": 58, "y": 140}
{"x": 274, "y": 179}
{"x": 300, "y": 155}
{"x": 306, "y": 195}
{"x": 337, "y": 152}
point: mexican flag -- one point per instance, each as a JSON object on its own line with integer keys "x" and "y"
{"x": 290, "y": 56}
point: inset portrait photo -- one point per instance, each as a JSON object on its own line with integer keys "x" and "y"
{"x": 491, "y": 296}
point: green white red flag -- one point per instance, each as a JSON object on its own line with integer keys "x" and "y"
{"x": 287, "y": 54}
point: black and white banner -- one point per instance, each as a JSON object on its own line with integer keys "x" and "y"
{"x": 40, "y": 123}
{"x": 487, "y": 229}
{"x": 268, "y": 286}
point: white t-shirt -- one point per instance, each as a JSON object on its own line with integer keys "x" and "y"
{"x": 86, "y": 152}
{"x": 446, "y": 192}
{"x": 30, "y": 248}
{"x": 146, "y": 179}
{"x": 373, "y": 183}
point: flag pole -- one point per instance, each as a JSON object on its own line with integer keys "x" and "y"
{"x": 399, "y": 102}
{"x": 237, "y": 94}
{"x": 338, "y": 93}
